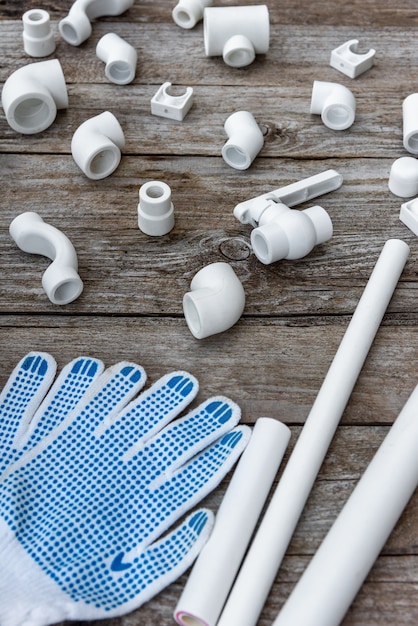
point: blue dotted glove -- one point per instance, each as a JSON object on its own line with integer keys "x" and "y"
{"x": 92, "y": 477}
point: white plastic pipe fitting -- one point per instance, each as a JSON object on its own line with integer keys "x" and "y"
{"x": 349, "y": 61}
{"x": 155, "y": 209}
{"x": 32, "y": 95}
{"x": 61, "y": 281}
{"x": 76, "y": 26}
{"x": 334, "y": 103}
{"x": 403, "y": 177}
{"x": 38, "y": 38}
{"x": 245, "y": 140}
{"x": 215, "y": 302}
{"x": 120, "y": 58}
{"x": 187, "y": 13}
{"x": 237, "y": 34}
{"x": 96, "y": 145}
{"x": 410, "y": 123}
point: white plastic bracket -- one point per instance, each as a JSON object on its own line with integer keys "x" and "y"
{"x": 409, "y": 215}
{"x": 164, "y": 104}
{"x": 347, "y": 60}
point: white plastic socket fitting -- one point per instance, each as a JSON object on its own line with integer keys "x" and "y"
{"x": 410, "y": 123}
{"x": 237, "y": 34}
{"x": 334, "y": 103}
{"x": 120, "y": 58}
{"x": 32, "y": 95}
{"x": 155, "y": 209}
{"x": 96, "y": 145}
{"x": 38, "y": 38}
{"x": 166, "y": 104}
{"x": 61, "y": 281}
{"x": 403, "y": 177}
{"x": 215, "y": 302}
{"x": 187, "y": 13}
{"x": 245, "y": 140}
{"x": 76, "y": 26}
{"x": 347, "y": 60}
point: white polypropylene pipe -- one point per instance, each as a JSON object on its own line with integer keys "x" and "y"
{"x": 276, "y": 529}
{"x": 332, "y": 579}
{"x": 214, "y": 571}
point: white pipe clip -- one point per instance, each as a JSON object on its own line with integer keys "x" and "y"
{"x": 349, "y": 61}
{"x": 215, "y": 302}
{"x": 334, "y": 103}
{"x": 165, "y": 104}
{"x": 96, "y": 145}
{"x": 155, "y": 209}
{"x": 38, "y": 38}
{"x": 410, "y": 123}
{"x": 76, "y": 26}
{"x": 245, "y": 140}
{"x": 32, "y": 95}
{"x": 61, "y": 281}
{"x": 187, "y": 13}
{"x": 120, "y": 58}
{"x": 237, "y": 34}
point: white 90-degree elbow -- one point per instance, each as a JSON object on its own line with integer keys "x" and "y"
{"x": 96, "y": 145}
{"x": 76, "y": 26}
{"x": 215, "y": 302}
{"x": 245, "y": 140}
{"x": 187, "y": 13}
{"x": 61, "y": 281}
{"x": 120, "y": 58}
{"x": 334, "y": 103}
{"x": 32, "y": 95}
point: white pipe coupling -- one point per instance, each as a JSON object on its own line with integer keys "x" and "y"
{"x": 155, "y": 209}
{"x": 245, "y": 140}
{"x": 334, "y": 103}
{"x": 61, "y": 281}
{"x": 32, "y": 95}
{"x": 76, "y": 26}
{"x": 38, "y": 38}
{"x": 187, "y": 13}
{"x": 215, "y": 302}
{"x": 120, "y": 58}
{"x": 236, "y": 33}
{"x": 96, "y": 145}
{"x": 410, "y": 123}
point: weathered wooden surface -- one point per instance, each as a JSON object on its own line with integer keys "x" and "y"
{"x": 275, "y": 359}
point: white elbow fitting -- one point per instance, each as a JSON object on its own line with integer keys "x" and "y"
{"x": 96, "y": 145}
{"x": 334, "y": 103}
{"x": 187, "y": 13}
{"x": 32, "y": 95}
{"x": 76, "y": 26}
{"x": 215, "y": 302}
{"x": 120, "y": 58}
{"x": 60, "y": 281}
{"x": 236, "y": 33}
{"x": 410, "y": 123}
{"x": 155, "y": 209}
{"x": 245, "y": 140}
{"x": 38, "y": 38}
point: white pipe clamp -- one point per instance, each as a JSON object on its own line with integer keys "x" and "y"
{"x": 76, "y": 26}
{"x": 215, "y": 302}
{"x": 410, "y": 123}
{"x": 334, "y": 103}
{"x": 32, "y": 95}
{"x": 245, "y": 140}
{"x": 61, "y": 281}
{"x": 96, "y": 145}
{"x": 165, "y": 104}
{"x": 38, "y": 38}
{"x": 347, "y": 60}
{"x": 120, "y": 58}
{"x": 155, "y": 209}
{"x": 187, "y": 13}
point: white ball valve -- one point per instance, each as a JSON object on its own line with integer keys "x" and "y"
{"x": 38, "y": 38}
{"x": 334, "y": 103}
{"x": 155, "y": 209}
{"x": 76, "y": 26}
{"x": 245, "y": 140}
{"x": 187, "y": 13}
{"x": 410, "y": 123}
{"x": 120, "y": 58}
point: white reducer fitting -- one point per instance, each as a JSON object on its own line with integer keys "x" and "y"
{"x": 96, "y": 145}
{"x": 76, "y": 26}
{"x": 120, "y": 58}
{"x": 32, "y": 95}
{"x": 215, "y": 302}
{"x": 334, "y": 103}
{"x": 61, "y": 281}
{"x": 245, "y": 140}
{"x": 347, "y": 60}
{"x": 237, "y": 34}
{"x": 164, "y": 104}
{"x": 403, "y": 177}
{"x": 38, "y": 38}
{"x": 187, "y": 13}
{"x": 155, "y": 209}
{"x": 410, "y": 123}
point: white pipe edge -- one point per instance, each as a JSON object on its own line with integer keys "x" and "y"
{"x": 76, "y": 26}
{"x": 96, "y": 145}
{"x": 32, "y": 95}
{"x": 410, "y": 123}
{"x": 155, "y": 209}
{"x": 187, "y": 13}
{"x": 245, "y": 140}
{"x": 335, "y": 104}
{"x": 215, "y": 302}
{"x": 61, "y": 281}
{"x": 38, "y": 38}
{"x": 120, "y": 58}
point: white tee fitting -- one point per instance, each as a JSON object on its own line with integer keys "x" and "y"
{"x": 96, "y": 145}
{"x": 403, "y": 177}
{"x": 61, "y": 282}
{"x": 120, "y": 58}
{"x": 32, "y": 95}
{"x": 76, "y": 26}
{"x": 216, "y": 300}
{"x": 187, "y": 13}
{"x": 155, "y": 209}
{"x": 410, "y": 123}
{"x": 38, "y": 38}
{"x": 334, "y": 103}
{"x": 236, "y": 33}
{"x": 245, "y": 140}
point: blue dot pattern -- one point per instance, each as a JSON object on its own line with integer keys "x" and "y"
{"x": 90, "y": 508}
